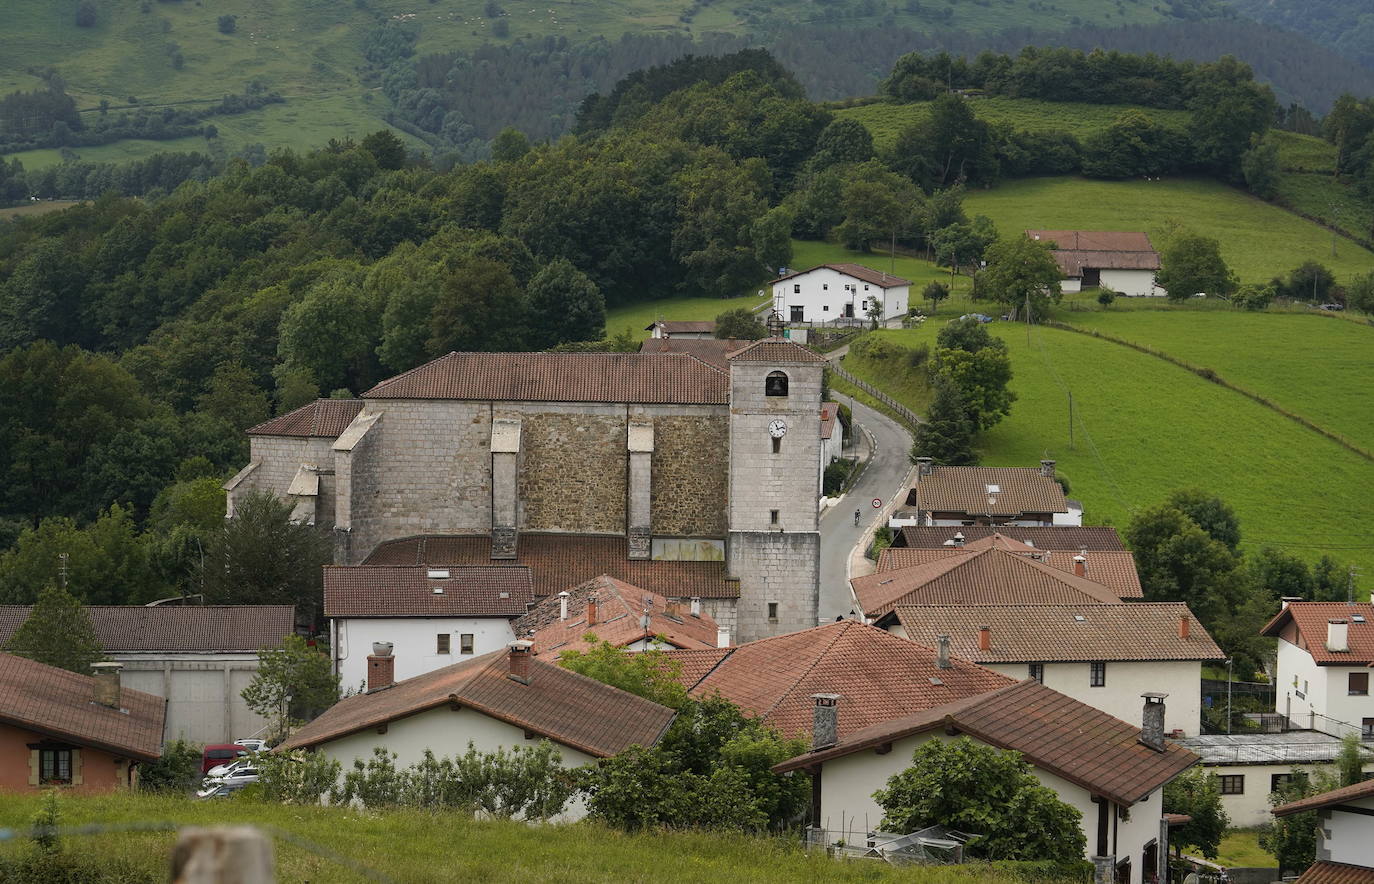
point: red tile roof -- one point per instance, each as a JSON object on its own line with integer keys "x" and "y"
{"x": 829, "y": 412}
{"x": 1059, "y": 634}
{"x": 1041, "y": 537}
{"x": 696, "y": 664}
{"x": 409, "y": 591}
{"x": 711, "y": 350}
{"x": 567, "y": 708}
{"x": 323, "y": 417}
{"x": 858, "y": 271}
{"x": 976, "y": 577}
{"x": 1103, "y": 250}
{"x": 878, "y": 676}
{"x": 182, "y": 629}
{"x": 675, "y": 378}
{"x": 774, "y": 350}
{"x": 1310, "y": 620}
{"x": 1357, "y": 792}
{"x": 967, "y": 490}
{"x": 1056, "y": 733}
{"x": 1336, "y": 873}
{"x": 59, "y": 703}
{"x": 560, "y": 561}
{"x": 1114, "y": 569}
{"x": 620, "y": 609}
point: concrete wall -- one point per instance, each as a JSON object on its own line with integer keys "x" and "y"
{"x": 93, "y": 770}
{"x": 1126, "y": 681}
{"x": 1349, "y": 840}
{"x": 416, "y": 643}
{"x": 203, "y": 691}
{"x": 1133, "y": 283}
{"x": 823, "y": 296}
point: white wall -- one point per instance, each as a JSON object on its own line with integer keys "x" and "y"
{"x": 1071, "y": 285}
{"x": 1325, "y": 691}
{"x": 1133, "y": 283}
{"x": 446, "y": 732}
{"x": 203, "y": 690}
{"x": 415, "y": 640}
{"x": 1125, "y": 683}
{"x": 1349, "y": 841}
{"x": 824, "y": 288}
{"x": 1251, "y": 808}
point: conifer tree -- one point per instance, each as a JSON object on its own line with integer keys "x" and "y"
{"x": 947, "y": 434}
{"x": 58, "y": 632}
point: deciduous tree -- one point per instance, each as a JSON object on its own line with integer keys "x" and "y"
{"x": 58, "y": 632}
{"x": 564, "y": 306}
{"x": 1190, "y": 264}
{"x": 1197, "y": 794}
{"x": 1022, "y": 271}
{"x": 649, "y": 674}
{"x": 741, "y": 323}
{"x": 293, "y": 683}
{"x": 261, "y": 557}
{"x": 946, "y": 434}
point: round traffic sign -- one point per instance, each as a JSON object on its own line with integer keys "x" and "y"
{"x": 877, "y": 503}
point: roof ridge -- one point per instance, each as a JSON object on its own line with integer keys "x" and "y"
{"x": 839, "y": 633}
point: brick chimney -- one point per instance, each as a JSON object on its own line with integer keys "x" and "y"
{"x": 1184, "y": 625}
{"x": 1080, "y": 565}
{"x": 106, "y": 684}
{"x": 563, "y": 605}
{"x": 1152, "y": 721}
{"x": 985, "y": 638}
{"x": 381, "y": 667}
{"x": 942, "y": 652}
{"x": 1337, "y": 635}
{"x": 520, "y": 661}
{"x": 825, "y": 721}
{"x": 591, "y": 609}
{"x": 1047, "y": 469}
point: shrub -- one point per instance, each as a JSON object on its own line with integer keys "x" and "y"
{"x": 1106, "y": 297}
{"x": 228, "y": 24}
{"x": 836, "y": 475}
{"x": 175, "y": 771}
{"x": 297, "y": 777}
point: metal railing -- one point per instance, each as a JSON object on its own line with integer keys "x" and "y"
{"x": 900, "y": 411}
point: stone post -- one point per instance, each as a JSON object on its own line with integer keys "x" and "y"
{"x": 505, "y": 479}
{"x": 640, "y": 443}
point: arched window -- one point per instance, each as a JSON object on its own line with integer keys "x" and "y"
{"x": 775, "y": 384}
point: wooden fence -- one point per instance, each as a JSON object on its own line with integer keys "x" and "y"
{"x": 897, "y": 409}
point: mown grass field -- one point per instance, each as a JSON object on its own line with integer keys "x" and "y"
{"x": 636, "y": 317}
{"x": 1258, "y": 240}
{"x": 1143, "y": 427}
{"x": 416, "y": 847}
{"x": 1240, "y": 849}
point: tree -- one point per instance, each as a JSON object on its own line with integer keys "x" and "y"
{"x": 174, "y": 772}
{"x": 58, "y": 632}
{"x": 564, "y": 306}
{"x": 1197, "y": 794}
{"x": 982, "y": 377}
{"x": 1292, "y": 839}
{"x": 228, "y": 24}
{"x": 333, "y": 331}
{"x": 974, "y": 787}
{"x": 1310, "y": 281}
{"x": 1105, "y": 297}
{"x": 293, "y": 683}
{"x": 874, "y": 311}
{"x": 947, "y": 433}
{"x": 950, "y": 146}
{"x": 85, "y": 14}
{"x": 876, "y": 205}
{"x": 1134, "y": 145}
{"x": 1228, "y": 110}
{"x": 1190, "y": 264}
{"x": 479, "y": 307}
{"x": 1260, "y": 167}
{"x": 843, "y": 141}
{"x": 1021, "y": 271}
{"x": 935, "y": 292}
{"x": 262, "y": 557}
{"x": 1210, "y": 513}
{"x": 510, "y": 144}
{"x": 388, "y": 150}
{"x": 740, "y": 323}
{"x": 1350, "y": 761}
{"x": 1359, "y": 293}
{"x": 649, "y": 674}
{"x": 233, "y": 396}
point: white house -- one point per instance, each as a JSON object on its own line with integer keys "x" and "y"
{"x": 500, "y": 700}
{"x": 1126, "y": 263}
{"x": 1111, "y": 772}
{"x": 1102, "y": 655}
{"x": 1322, "y": 677}
{"x": 832, "y": 436}
{"x": 1345, "y": 852}
{"x": 839, "y": 294}
{"x": 434, "y": 615}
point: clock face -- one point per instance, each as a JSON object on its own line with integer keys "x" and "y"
{"x": 777, "y": 428}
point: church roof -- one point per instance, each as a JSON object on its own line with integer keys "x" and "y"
{"x": 323, "y": 417}
{"x": 775, "y": 350}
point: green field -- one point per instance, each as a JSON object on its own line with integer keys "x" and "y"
{"x": 1258, "y": 240}
{"x": 1144, "y": 427}
{"x": 414, "y": 846}
{"x": 636, "y": 317}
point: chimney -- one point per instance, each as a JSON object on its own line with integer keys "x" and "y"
{"x": 696, "y": 606}
{"x": 924, "y": 465}
{"x": 1284, "y": 601}
{"x": 1152, "y": 721}
{"x": 1337, "y": 635}
{"x": 591, "y": 609}
{"x": 1184, "y": 625}
{"x": 825, "y": 721}
{"x": 985, "y": 638}
{"x": 958, "y": 538}
{"x": 1047, "y": 469}
{"x": 942, "y": 652}
{"x": 1080, "y": 565}
{"x": 563, "y": 605}
{"x": 520, "y": 661}
{"x": 722, "y": 637}
{"x": 381, "y": 667}
{"x": 106, "y": 685}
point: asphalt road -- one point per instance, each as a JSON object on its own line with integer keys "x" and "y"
{"x": 884, "y": 478}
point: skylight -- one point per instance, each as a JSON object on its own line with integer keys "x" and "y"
{"x": 438, "y": 573}
{"x": 994, "y": 489}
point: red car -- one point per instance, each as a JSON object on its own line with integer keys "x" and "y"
{"x": 220, "y": 753}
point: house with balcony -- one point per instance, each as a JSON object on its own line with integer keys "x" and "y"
{"x": 1325, "y": 650}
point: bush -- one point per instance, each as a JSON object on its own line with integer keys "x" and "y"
{"x": 1106, "y": 297}
{"x": 836, "y": 475}
{"x": 297, "y": 777}
{"x": 176, "y": 771}
{"x": 228, "y": 24}
{"x": 85, "y": 14}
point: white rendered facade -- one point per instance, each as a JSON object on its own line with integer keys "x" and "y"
{"x": 1125, "y": 681}
{"x": 416, "y": 642}
{"x": 1319, "y": 697}
{"x": 1344, "y": 835}
{"x": 203, "y": 691}
{"x": 823, "y": 295}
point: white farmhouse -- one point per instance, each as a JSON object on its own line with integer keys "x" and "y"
{"x": 839, "y": 294}
{"x": 1324, "y": 653}
{"x": 1126, "y": 263}
{"x": 1345, "y": 852}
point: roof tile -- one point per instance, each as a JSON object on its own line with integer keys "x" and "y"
{"x": 409, "y": 591}
{"x": 176, "y": 628}
{"x": 774, "y": 350}
{"x": 1336, "y": 873}
{"x": 620, "y": 609}
{"x": 1311, "y": 619}
{"x": 1013, "y": 490}
{"x": 1039, "y": 536}
{"x": 1114, "y": 569}
{"x": 1354, "y": 792}
{"x": 858, "y": 271}
{"x": 323, "y": 417}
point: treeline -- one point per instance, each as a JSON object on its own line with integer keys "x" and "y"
{"x": 1345, "y": 27}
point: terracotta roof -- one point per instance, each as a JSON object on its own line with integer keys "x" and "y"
{"x": 1060, "y": 634}
{"x": 620, "y": 609}
{"x": 1310, "y": 620}
{"x": 711, "y": 350}
{"x": 1103, "y": 250}
{"x": 409, "y": 591}
{"x": 60, "y": 704}
{"x": 182, "y": 629}
{"x": 323, "y": 417}
{"x": 1041, "y": 537}
{"x": 1014, "y": 490}
{"x": 1114, "y": 569}
{"x": 774, "y": 350}
{"x": 561, "y": 377}
{"x": 565, "y": 707}
{"x": 695, "y": 664}
{"x": 829, "y": 412}
{"x": 558, "y": 561}
{"x": 858, "y": 271}
{"x": 977, "y": 577}
{"x": 878, "y": 676}
{"x": 1357, "y": 792}
{"x": 1336, "y": 873}
{"x": 1056, "y": 733}
{"x": 684, "y": 326}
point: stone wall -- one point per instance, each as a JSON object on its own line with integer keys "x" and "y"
{"x": 775, "y": 567}
{"x": 573, "y": 469}
{"x": 690, "y": 468}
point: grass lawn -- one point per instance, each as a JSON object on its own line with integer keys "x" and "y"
{"x": 1258, "y": 240}
{"x": 636, "y": 317}
{"x": 1144, "y": 428}
{"x": 811, "y": 253}
{"x": 1240, "y": 849}
{"x": 1303, "y": 152}
{"x": 413, "y": 846}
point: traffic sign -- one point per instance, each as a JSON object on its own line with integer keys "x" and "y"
{"x": 877, "y": 503}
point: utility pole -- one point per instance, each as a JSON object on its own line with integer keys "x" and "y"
{"x": 1071, "y": 421}
{"x": 1028, "y": 319}
{"x": 62, "y": 570}
{"x": 1350, "y": 575}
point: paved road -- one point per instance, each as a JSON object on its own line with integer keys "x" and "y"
{"x": 884, "y": 478}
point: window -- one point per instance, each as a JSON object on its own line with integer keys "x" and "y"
{"x": 777, "y": 445}
{"x": 465, "y": 643}
{"x": 772, "y": 612}
{"x": 1367, "y": 728}
{"x": 1359, "y": 684}
{"x": 773, "y": 517}
{"x": 54, "y": 767}
{"x": 825, "y": 308}
{"x": 796, "y": 289}
{"x": 441, "y": 642}
{"x": 865, "y": 286}
{"x": 1279, "y": 780}
{"x": 1097, "y": 675}
{"x": 1037, "y": 672}
{"x": 775, "y": 384}
{"x": 825, "y": 286}
{"x": 1233, "y": 784}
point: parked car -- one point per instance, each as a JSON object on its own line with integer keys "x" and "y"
{"x": 242, "y": 775}
{"x": 219, "y": 790}
{"x": 220, "y": 753}
{"x": 252, "y": 744}
{"x": 1333, "y": 307}
{"x": 981, "y": 317}
{"x": 219, "y": 770}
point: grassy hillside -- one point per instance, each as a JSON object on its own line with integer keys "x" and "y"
{"x": 416, "y": 847}
{"x": 1258, "y": 240}
{"x": 1143, "y": 428}
{"x": 635, "y": 317}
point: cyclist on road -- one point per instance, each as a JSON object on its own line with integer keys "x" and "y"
{"x": 856, "y": 517}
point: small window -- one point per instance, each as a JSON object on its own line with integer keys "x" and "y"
{"x": 1233, "y": 784}
{"x": 1037, "y": 672}
{"x": 1097, "y": 675}
{"x": 55, "y": 767}
{"x": 796, "y": 289}
{"x": 825, "y": 308}
{"x": 777, "y": 445}
{"x": 775, "y": 384}
{"x": 1359, "y": 684}
{"x": 865, "y": 286}
{"x": 825, "y": 286}
{"x": 773, "y": 517}
{"x": 1279, "y": 780}
{"x": 465, "y": 643}
{"x": 1367, "y": 728}
{"x": 772, "y": 612}
{"x": 441, "y": 643}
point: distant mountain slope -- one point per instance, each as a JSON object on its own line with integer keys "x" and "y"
{"x": 1344, "y": 25}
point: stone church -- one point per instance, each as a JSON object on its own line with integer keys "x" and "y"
{"x": 687, "y": 478}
